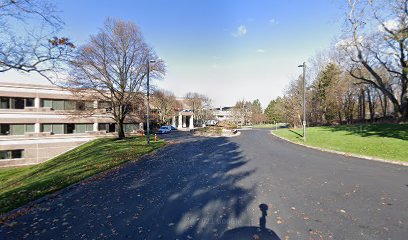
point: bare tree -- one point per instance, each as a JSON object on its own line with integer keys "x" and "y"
{"x": 379, "y": 41}
{"x": 29, "y": 47}
{"x": 200, "y": 104}
{"x": 242, "y": 112}
{"x": 166, "y": 102}
{"x": 113, "y": 64}
{"x": 293, "y": 103}
{"x": 194, "y": 100}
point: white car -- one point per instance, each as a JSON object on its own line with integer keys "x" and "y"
{"x": 163, "y": 130}
{"x": 211, "y": 122}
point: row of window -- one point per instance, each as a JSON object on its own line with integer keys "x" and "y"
{"x": 56, "y": 104}
{"x": 66, "y": 104}
{"x": 15, "y": 102}
{"x": 62, "y": 128}
{"x": 66, "y": 128}
{"x": 10, "y": 154}
{"x": 16, "y": 129}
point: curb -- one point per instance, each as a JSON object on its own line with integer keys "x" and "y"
{"x": 405, "y": 164}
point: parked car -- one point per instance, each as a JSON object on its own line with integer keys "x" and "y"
{"x": 163, "y": 130}
{"x": 211, "y": 122}
{"x": 173, "y": 128}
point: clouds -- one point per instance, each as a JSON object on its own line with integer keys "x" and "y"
{"x": 273, "y": 22}
{"x": 241, "y": 31}
{"x": 260, "y": 50}
{"x": 391, "y": 25}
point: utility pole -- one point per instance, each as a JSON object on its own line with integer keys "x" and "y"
{"x": 304, "y": 100}
{"x": 148, "y": 104}
{"x": 148, "y": 101}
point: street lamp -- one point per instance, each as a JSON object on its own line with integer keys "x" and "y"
{"x": 148, "y": 101}
{"x": 304, "y": 100}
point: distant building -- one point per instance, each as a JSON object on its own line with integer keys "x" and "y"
{"x": 184, "y": 119}
{"x": 223, "y": 114}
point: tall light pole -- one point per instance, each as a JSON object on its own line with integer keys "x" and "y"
{"x": 148, "y": 101}
{"x": 304, "y": 100}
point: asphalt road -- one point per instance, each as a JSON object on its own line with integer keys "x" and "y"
{"x": 245, "y": 187}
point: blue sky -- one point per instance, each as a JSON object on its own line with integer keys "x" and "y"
{"x": 228, "y": 50}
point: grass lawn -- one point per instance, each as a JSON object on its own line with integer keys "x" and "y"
{"x": 20, "y": 185}
{"x": 386, "y": 141}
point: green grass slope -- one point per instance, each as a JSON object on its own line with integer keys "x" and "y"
{"x": 20, "y": 185}
{"x": 386, "y": 141}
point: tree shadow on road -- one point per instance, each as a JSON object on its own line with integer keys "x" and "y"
{"x": 197, "y": 194}
{"x": 189, "y": 190}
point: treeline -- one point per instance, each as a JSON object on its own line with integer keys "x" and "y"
{"x": 363, "y": 77}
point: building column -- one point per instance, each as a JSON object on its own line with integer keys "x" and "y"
{"x": 173, "y": 121}
{"x": 184, "y": 118}
{"x": 37, "y": 102}
{"x": 95, "y": 127}
{"x": 191, "y": 126}
{"x": 37, "y": 127}
{"x": 180, "y": 121}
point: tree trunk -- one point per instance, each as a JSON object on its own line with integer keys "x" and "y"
{"x": 370, "y": 105}
{"x": 404, "y": 109}
{"x": 383, "y": 103}
{"x": 363, "y": 106}
{"x": 121, "y": 131}
{"x": 340, "y": 118}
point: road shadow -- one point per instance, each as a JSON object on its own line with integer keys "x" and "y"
{"x": 200, "y": 191}
{"x": 252, "y": 232}
{"x": 186, "y": 190}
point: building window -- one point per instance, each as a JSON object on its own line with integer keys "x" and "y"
{"x": 11, "y": 154}
{"x": 83, "y": 128}
{"x": 68, "y": 128}
{"x": 81, "y": 106}
{"x": 128, "y": 127}
{"x": 16, "y": 129}
{"x": 58, "y": 104}
{"x": 29, "y": 128}
{"x": 84, "y": 105}
{"x": 4, "y": 129}
{"x": 104, "y": 105}
{"x": 46, "y": 103}
{"x": 29, "y": 102}
{"x": 4, "y": 103}
{"x": 16, "y": 102}
{"x": 70, "y": 105}
{"x": 108, "y": 127}
{"x": 53, "y": 128}
{"x": 46, "y": 127}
